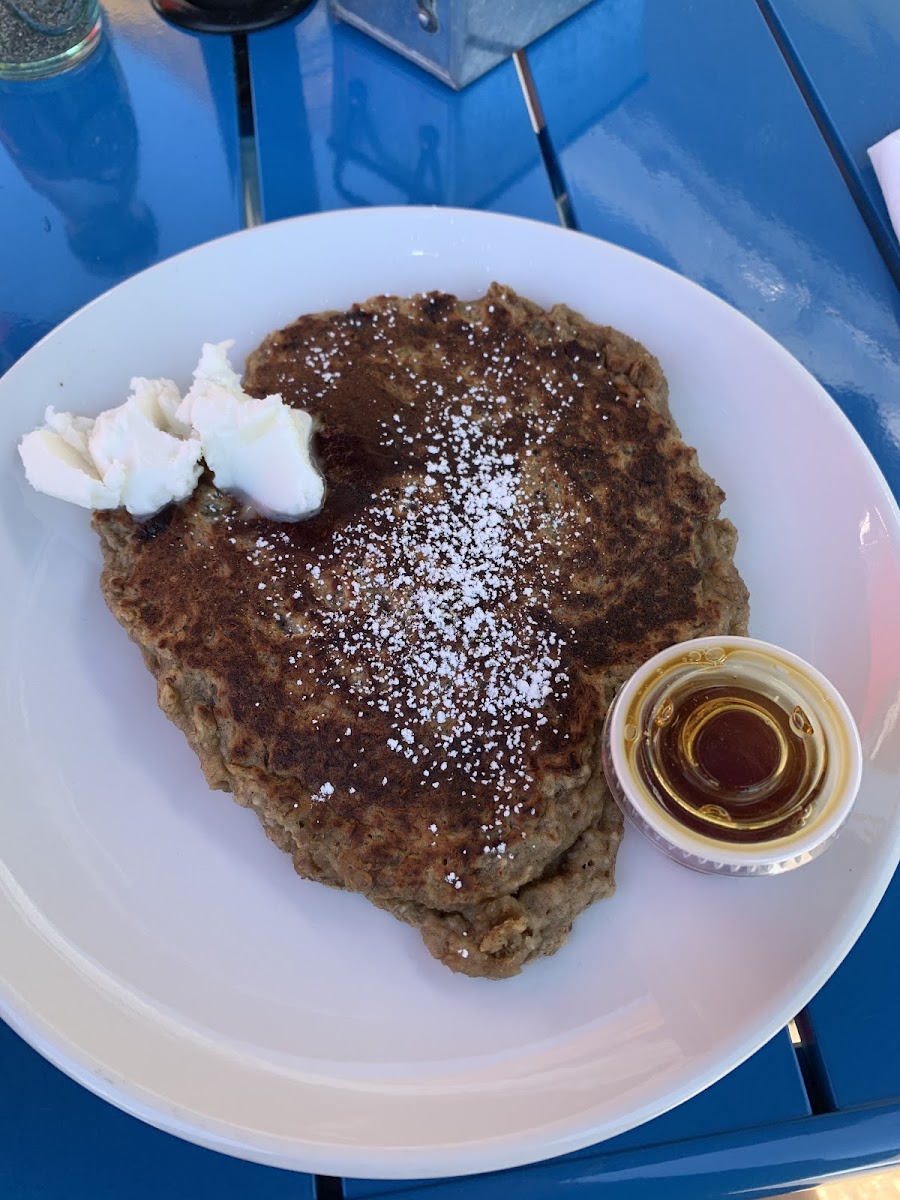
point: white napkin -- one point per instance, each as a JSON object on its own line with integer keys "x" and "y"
{"x": 885, "y": 156}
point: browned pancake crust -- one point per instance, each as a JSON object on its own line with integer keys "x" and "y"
{"x": 365, "y": 679}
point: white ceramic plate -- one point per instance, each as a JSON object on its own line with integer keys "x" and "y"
{"x": 159, "y": 949}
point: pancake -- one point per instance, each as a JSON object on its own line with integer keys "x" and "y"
{"x": 408, "y": 688}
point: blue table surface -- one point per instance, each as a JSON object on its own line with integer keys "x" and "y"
{"x": 845, "y": 57}
{"x": 726, "y": 141}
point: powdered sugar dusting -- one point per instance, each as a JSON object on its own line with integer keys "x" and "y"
{"x": 434, "y": 630}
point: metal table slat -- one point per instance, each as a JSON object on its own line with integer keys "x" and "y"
{"x": 143, "y": 133}
{"x": 765, "y": 221}
{"x": 764, "y": 1090}
{"x": 848, "y": 57}
{"x": 854, "y": 1016}
{"x": 747, "y": 1165}
{"x": 365, "y": 126}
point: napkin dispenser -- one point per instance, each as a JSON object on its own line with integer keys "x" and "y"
{"x": 456, "y": 40}
{"x": 397, "y": 137}
{"x": 377, "y": 153}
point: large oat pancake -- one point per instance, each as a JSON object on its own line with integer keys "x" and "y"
{"x": 409, "y": 687}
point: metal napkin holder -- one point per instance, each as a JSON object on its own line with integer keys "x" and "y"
{"x": 456, "y": 40}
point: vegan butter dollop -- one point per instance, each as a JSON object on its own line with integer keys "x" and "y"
{"x": 150, "y": 450}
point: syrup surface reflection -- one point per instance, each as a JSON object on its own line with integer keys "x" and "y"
{"x": 733, "y": 761}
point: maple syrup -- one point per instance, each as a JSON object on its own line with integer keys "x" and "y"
{"x": 731, "y": 761}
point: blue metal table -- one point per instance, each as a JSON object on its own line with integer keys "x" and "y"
{"x": 726, "y": 141}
